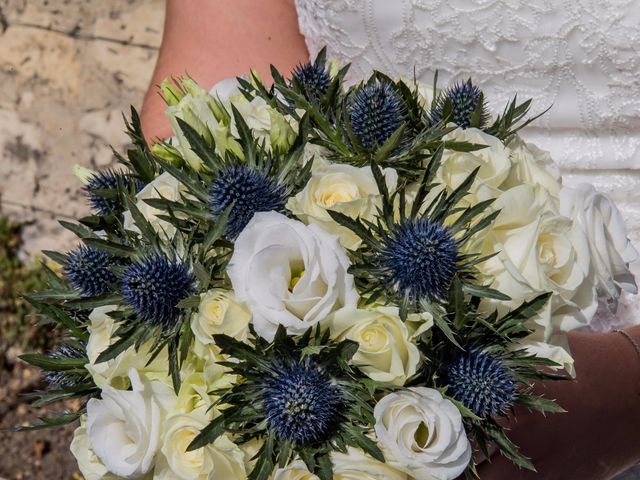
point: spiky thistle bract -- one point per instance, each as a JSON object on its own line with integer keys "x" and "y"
{"x": 299, "y": 395}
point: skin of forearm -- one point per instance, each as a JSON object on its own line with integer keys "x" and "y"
{"x": 598, "y": 436}
{"x": 211, "y": 40}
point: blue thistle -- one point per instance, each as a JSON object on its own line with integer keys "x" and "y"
{"x": 301, "y": 403}
{"x": 63, "y": 378}
{"x": 376, "y": 112}
{"x": 88, "y": 270}
{"x": 464, "y": 99}
{"x": 249, "y": 191}
{"x": 482, "y": 383}
{"x": 419, "y": 258}
{"x": 314, "y": 80}
{"x": 108, "y": 180}
{"x": 155, "y": 285}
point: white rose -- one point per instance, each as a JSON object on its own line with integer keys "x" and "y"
{"x": 289, "y": 274}
{"x": 540, "y": 251}
{"x": 493, "y": 161}
{"x": 88, "y": 463}
{"x": 609, "y": 245}
{"x": 532, "y": 166}
{"x": 343, "y": 188}
{"x": 219, "y": 313}
{"x": 354, "y": 465}
{"x": 125, "y": 426}
{"x": 220, "y": 460}
{"x": 386, "y": 352}
{"x": 163, "y": 186}
{"x": 422, "y": 434}
{"x": 114, "y": 372}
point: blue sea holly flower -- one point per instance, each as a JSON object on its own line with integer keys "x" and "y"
{"x": 88, "y": 270}
{"x": 301, "y": 402}
{"x": 155, "y": 285}
{"x": 464, "y": 99}
{"x": 248, "y": 191}
{"x": 376, "y": 112}
{"x": 314, "y": 79}
{"x": 482, "y": 383}
{"x": 419, "y": 258}
{"x": 108, "y": 180}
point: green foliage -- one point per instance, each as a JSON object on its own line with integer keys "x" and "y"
{"x": 17, "y": 316}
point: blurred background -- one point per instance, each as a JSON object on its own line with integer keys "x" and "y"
{"x": 68, "y": 70}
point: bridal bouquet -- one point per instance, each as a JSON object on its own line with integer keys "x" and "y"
{"x": 315, "y": 281}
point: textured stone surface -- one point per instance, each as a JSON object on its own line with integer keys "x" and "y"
{"x": 68, "y": 69}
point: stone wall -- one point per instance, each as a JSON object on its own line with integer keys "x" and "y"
{"x": 68, "y": 70}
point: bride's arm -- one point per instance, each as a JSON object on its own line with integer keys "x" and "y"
{"x": 599, "y": 435}
{"x": 215, "y": 39}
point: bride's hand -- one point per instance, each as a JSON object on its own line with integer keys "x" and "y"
{"x": 599, "y": 435}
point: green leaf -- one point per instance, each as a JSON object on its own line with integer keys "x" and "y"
{"x": 53, "y": 364}
{"x": 119, "y": 346}
{"x": 484, "y": 292}
{"x": 48, "y": 422}
{"x": 507, "y": 447}
{"x": 325, "y": 467}
{"x": 360, "y": 440}
{"x": 444, "y": 327}
{"x": 539, "y": 404}
{"x": 59, "y": 258}
{"x": 110, "y": 247}
{"x": 208, "y": 434}
{"x": 89, "y": 303}
{"x": 80, "y": 230}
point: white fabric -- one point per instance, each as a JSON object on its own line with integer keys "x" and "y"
{"x": 580, "y": 56}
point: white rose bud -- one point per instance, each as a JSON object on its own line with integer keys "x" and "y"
{"x": 422, "y": 434}
{"x": 125, "y": 426}
{"x": 386, "y": 352}
{"x": 342, "y": 188}
{"x": 609, "y": 245}
{"x": 289, "y": 274}
{"x": 219, "y": 313}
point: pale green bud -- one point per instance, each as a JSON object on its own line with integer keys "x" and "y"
{"x": 170, "y": 92}
{"x": 281, "y": 133}
{"x": 167, "y": 153}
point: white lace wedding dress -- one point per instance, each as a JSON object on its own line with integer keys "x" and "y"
{"x": 580, "y": 56}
